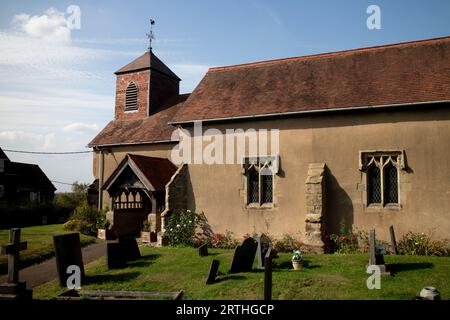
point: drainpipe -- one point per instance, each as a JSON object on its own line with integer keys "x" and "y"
{"x": 100, "y": 179}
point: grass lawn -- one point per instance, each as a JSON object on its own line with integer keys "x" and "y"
{"x": 325, "y": 277}
{"x": 40, "y": 244}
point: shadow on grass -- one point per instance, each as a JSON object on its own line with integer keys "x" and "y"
{"x": 288, "y": 265}
{"x": 230, "y": 277}
{"x": 102, "y": 278}
{"x": 144, "y": 261}
{"x": 400, "y": 267}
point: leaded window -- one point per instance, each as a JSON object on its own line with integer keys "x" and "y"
{"x": 259, "y": 172}
{"x": 382, "y": 178}
{"x": 131, "y": 95}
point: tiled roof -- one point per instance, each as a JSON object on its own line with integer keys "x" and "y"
{"x": 157, "y": 171}
{"x": 151, "y": 129}
{"x": 402, "y": 73}
{"x": 145, "y": 62}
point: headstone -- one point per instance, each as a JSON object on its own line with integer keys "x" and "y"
{"x": 264, "y": 244}
{"x": 119, "y": 252}
{"x": 244, "y": 255}
{"x": 393, "y": 241}
{"x": 13, "y": 289}
{"x": 114, "y": 256}
{"x": 211, "y": 278}
{"x": 203, "y": 250}
{"x": 68, "y": 252}
{"x": 268, "y": 274}
{"x": 130, "y": 249}
{"x": 430, "y": 293}
{"x": 374, "y": 257}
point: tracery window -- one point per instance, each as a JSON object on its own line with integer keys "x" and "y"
{"x": 259, "y": 173}
{"x": 382, "y": 175}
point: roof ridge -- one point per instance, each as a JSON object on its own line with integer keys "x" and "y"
{"x": 325, "y": 54}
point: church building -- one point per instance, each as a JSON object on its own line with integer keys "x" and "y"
{"x": 359, "y": 137}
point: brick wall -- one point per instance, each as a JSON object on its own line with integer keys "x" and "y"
{"x": 122, "y": 81}
{"x": 161, "y": 88}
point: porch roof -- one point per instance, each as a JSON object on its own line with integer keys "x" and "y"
{"x": 153, "y": 172}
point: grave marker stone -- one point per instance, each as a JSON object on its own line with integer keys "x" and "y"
{"x": 264, "y": 244}
{"x": 211, "y": 278}
{"x": 68, "y": 252}
{"x": 13, "y": 289}
{"x": 268, "y": 275}
{"x": 203, "y": 250}
{"x": 393, "y": 241}
{"x": 244, "y": 255}
{"x": 376, "y": 258}
{"x": 114, "y": 256}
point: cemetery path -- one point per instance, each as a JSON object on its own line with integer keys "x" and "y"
{"x": 46, "y": 271}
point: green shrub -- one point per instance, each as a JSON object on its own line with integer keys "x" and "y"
{"x": 181, "y": 227}
{"x": 348, "y": 241}
{"x": 287, "y": 243}
{"x": 420, "y": 244}
{"x": 224, "y": 241}
{"x": 85, "y": 219}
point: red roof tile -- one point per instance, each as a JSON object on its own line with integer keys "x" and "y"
{"x": 147, "y": 130}
{"x": 393, "y": 74}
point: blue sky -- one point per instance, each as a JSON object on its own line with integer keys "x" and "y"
{"x": 57, "y": 85}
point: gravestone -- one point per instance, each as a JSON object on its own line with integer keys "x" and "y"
{"x": 119, "y": 252}
{"x": 244, "y": 255}
{"x": 67, "y": 253}
{"x": 203, "y": 250}
{"x": 13, "y": 289}
{"x": 264, "y": 244}
{"x": 114, "y": 256}
{"x": 130, "y": 249}
{"x": 211, "y": 278}
{"x": 268, "y": 274}
{"x": 376, "y": 258}
{"x": 393, "y": 241}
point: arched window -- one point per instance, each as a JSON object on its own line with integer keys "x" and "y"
{"x": 131, "y": 97}
{"x": 253, "y": 185}
{"x": 382, "y": 178}
{"x": 390, "y": 184}
{"x": 374, "y": 185}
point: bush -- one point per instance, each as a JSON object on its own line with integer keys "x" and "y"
{"x": 420, "y": 244}
{"x": 224, "y": 241}
{"x": 85, "y": 219}
{"x": 181, "y": 227}
{"x": 287, "y": 243}
{"x": 347, "y": 241}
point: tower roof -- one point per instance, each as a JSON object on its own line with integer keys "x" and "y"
{"x": 147, "y": 61}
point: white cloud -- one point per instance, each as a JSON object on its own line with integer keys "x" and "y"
{"x": 51, "y": 26}
{"x": 82, "y": 128}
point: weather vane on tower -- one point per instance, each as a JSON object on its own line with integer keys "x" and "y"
{"x": 150, "y": 35}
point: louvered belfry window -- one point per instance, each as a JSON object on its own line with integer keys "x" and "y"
{"x": 382, "y": 179}
{"x": 131, "y": 95}
{"x": 259, "y": 181}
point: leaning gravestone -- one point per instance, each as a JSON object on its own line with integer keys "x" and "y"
{"x": 211, "y": 278}
{"x": 244, "y": 255}
{"x": 13, "y": 289}
{"x": 68, "y": 253}
{"x": 203, "y": 250}
{"x": 129, "y": 248}
{"x": 268, "y": 274}
{"x": 264, "y": 244}
{"x": 376, "y": 258}
{"x": 393, "y": 241}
